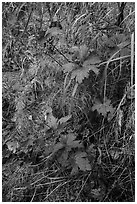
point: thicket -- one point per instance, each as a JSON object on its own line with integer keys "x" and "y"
{"x": 68, "y": 112}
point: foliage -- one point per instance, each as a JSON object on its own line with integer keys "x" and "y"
{"x": 69, "y": 157}
{"x": 68, "y": 112}
{"x": 105, "y": 108}
{"x": 83, "y": 63}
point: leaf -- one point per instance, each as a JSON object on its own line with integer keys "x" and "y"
{"x": 68, "y": 67}
{"x": 64, "y": 119}
{"x": 71, "y": 138}
{"x": 12, "y": 19}
{"x": 74, "y": 49}
{"x": 20, "y": 105}
{"x": 123, "y": 44}
{"x": 63, "y": 159}
{"x": 79, "y": 53}
{"x": 83, "y": 51}
{"x": 111, "y": 43}
{"x": 93, "y": 59}
{"x": 42, "y": 62}
{"x": 71, "y": 142}
{"x": 48, "y": 83}
{"x": 91, "y": 151}
{"x": 75, "y": 89}
{"x": 48, "y": 110}
{"x": 74, "y": 170}
{"x": 51, "y": 121}
{"x": 93, "y": 68}
{"x": 80, "y": 74}
{"x": 54, "y": 31}
{"x": 26, "y": 144}
{"x": 110, "y": 115}
{"x": 119, "y": 118}
{"x": 115, "y": 153}
{"x": 32, "y": 71}
{"x": 63, "y": 139}
{"x": 68, "y": 142}
{"x": 103, "y": 108}
{"x": 13, "y": 146}
{"x": 83, "y": 72}
{"x": 57, "y": 147}
{"x": 82, "y": 161}
{"x": 91, "y": 63}
{"x": 98, "y": 193}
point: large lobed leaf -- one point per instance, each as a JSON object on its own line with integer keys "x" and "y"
{"x": 103, "y": 108}
{"x": 82, "y": 161}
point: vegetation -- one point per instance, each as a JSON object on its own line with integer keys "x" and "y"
{"x": 68, "y": 102}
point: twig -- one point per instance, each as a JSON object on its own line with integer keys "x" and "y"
{"x": 113, "y": 185}
{"x": 83, "y": 186}
{"x": 55, "y": 60}
{"x": 33, "y": 195}
{"x": 116, "y": 59}
{"x": 55, "y": 189}
{"x": 132, "y": 61}
{"x": 61, "y": 53}
{"x": 27, "y": 23}
{"x": 105, "y": 72}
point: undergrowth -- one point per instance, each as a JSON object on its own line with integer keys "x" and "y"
{"x": 68, "y": 102}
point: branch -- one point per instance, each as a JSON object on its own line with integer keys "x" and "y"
{"x": 27, "y": 23}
